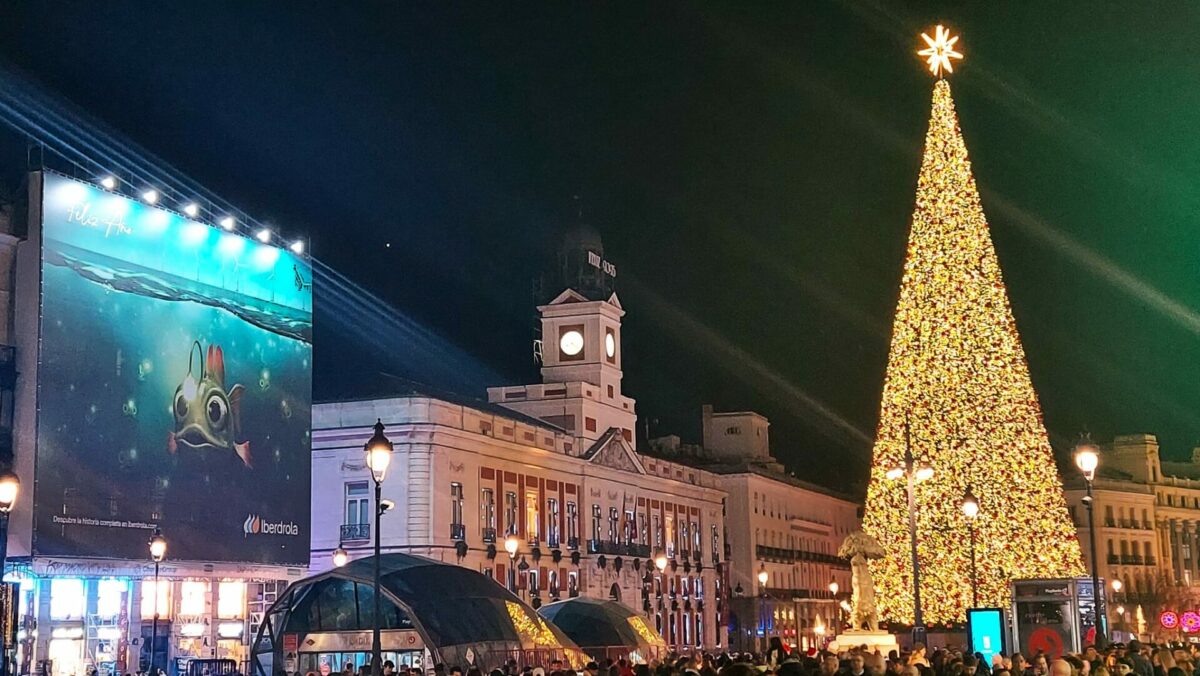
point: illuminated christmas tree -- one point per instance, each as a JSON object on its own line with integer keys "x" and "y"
{"x": 958, "y": 395}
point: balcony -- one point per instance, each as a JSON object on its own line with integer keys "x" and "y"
{"x": 489, "y": 535}
{"x": 573, "y": 543}
{"x": 458, "y": 531}
{"x": 618, "y": 548}
{"x": 1114, "y": 559}
{"x": 356, "y": 531}
{"x": 780, "y": 555}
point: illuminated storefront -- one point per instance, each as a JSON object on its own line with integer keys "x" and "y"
{"x": 108, "y": 622}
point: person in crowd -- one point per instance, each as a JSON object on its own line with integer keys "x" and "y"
{"x": 917, "y": 656}
{"x": 856, "y": 667}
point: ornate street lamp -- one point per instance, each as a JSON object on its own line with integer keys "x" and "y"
{"x": 1087, "y": 459}
{"x": 762, "y": 602}
{"x": 158, "y": 552}
{"x": 340, "y": 557}
{"x": 378, "y": 450}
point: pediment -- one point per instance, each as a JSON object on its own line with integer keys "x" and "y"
{"x": 611, "y": 450}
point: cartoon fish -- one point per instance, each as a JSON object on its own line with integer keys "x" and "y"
{"x": 207, "y": 416}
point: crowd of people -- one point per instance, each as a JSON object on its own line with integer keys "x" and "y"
{"x": 1119, "y": 659}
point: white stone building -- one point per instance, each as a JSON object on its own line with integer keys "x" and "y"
{"x": 777, "y": 524}
{"x": 553, "y": 463}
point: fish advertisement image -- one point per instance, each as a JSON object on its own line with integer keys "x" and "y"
{"x": 174, "y": 385}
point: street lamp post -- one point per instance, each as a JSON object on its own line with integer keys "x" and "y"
{"x": 762, "y": 602}
{"x": 378, "y": 450}
{"x": 1117, "y": 585}
{"x": 970, "y": 508}
{"x": 837, "y": 610}
{"x": 1087, "y": 458}
{"x": 511, "y": 544}
{"x": 913, "y": 473}
{"x": 158, "y": 552}
{"x": 10, "y": 485}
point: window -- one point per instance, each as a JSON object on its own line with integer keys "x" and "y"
{"x": 687, "y": 630}
{"x": 191, "y": 597}
{"x": 683, "y": 532}
{"x": 487, "y": 513}
{"x": 670, "y": 536}
{"x": 696, "y": 536}
{"x": 573, "y": 582}
{"x": 533, "y": 580}
{"x": 699, "y": 630}
{"x": 66, "y": 599}
{"x": 510, "y": 513}
{"x": 108, "y": 597}
{"x": 657, "y": 532}
{"x": 231, "y": 599}
{"x": 699, "y": 584}
{"x": 630, "y": 527}
{"x": 733, "y": 431}
{"x": 595, "y": 522}
{"x": 552, "y": 520}
{"x": 613, "y": 524}
{"x": 645, "y": 539}
{"x": 152, "y": 597}
{"x": 572, "y": 522}
{"x": 533, "y": 519}
{"x": 716, "y": 541}
{"x": 456, "y": 503}
{"x": 358, "y": 501}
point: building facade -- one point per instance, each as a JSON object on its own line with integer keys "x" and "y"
{"x": 1147, "y": 513}
{"x": 552, "y": 464}
{"x": 775, "y": 524}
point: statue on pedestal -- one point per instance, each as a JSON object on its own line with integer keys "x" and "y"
{"x": 860, "y": 547}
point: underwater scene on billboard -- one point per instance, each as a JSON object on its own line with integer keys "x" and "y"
{"x": 174, "y": 385}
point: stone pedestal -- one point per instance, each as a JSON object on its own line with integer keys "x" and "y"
{"x": 874, "y": 640}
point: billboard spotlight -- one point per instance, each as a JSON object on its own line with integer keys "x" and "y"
{"x": 264, "y": 236}
{"x": 109, "y": 182}
{"x": 227, "y": 222}
{"x": 150, "y": 196}
{"x": 297, "y": 247}
{"x": 191, "y": 209}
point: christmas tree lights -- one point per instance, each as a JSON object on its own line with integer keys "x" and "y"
{"x": 958, "y": 392}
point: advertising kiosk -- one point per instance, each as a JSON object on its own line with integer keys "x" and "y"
{"x": 1053, "y": 616}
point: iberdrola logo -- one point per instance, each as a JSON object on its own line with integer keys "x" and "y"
{"x": 252, "y": 525}
{"x": 256, "y": 525}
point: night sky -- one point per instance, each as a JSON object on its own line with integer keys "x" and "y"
{"x": 751, "y": 168}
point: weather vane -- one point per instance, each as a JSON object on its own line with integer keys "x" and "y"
{"x": 940, "y": 50}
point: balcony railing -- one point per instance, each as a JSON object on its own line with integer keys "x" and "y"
{"x": 618, "y": 548}
{"x": 458, "y": 531}
{"x": 781, "y": 555}
{"x": 489, "y": 535}
{"x": 573, "y": 543}
{"x": 356, "y": 531}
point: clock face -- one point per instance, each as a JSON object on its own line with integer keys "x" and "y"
{"x": 571, "y": 343}
{"x": 610, "y": 345}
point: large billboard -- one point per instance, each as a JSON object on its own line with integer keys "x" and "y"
{"x": 173, "y": 385}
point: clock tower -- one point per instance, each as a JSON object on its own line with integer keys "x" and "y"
{"x": 580, "y": 351}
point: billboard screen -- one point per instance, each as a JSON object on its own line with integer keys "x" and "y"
{"x": 174, "y": 385}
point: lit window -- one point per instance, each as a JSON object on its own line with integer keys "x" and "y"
{"x": 66, "y": 599}
{"x": 532, "y": 518}
{"x": 191, "y": 597}
{"x": 108, "y": 598}
{"x": 231, "y": 599}
{"x": 148, "y": 598}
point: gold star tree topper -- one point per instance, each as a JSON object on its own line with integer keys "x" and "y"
{"x": 940, "y": 50}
